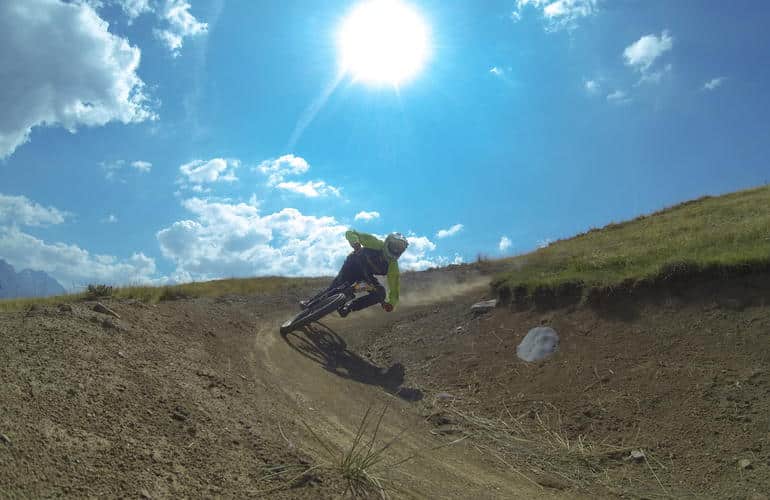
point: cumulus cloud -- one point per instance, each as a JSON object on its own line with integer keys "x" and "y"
{"x": 71, "y": 265}
{"x": 62, "y": 67}
{"x": 496, "y": 71}
{"x": 445, "y": 233}
{"x": 558, "y": 14}
{"x": 505, "y": 244}
{"x": 110, "y": 219}
{"x": 21, "y": 211}
{"x": 142, "y": 166}
{"x": 643, "y": 53}
{"x": 279, "y": 168}
{"x": 199, "y": 172}
{"x": 134, "y": 8}
{"x": 223, "y": 239}
{"x": 367, "y": 216}
{"x": 178, "y": 24}
{"x": 714, "y": 83}
{"x": 311, "y": 189}
{"x": 592, "y": 86}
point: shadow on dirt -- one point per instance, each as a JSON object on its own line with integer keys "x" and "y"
{"x": 323, "y": 345}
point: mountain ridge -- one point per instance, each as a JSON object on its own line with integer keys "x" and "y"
{"x": 26, "y": 283}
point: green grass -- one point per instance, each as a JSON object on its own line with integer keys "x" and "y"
{"x": 728, "y": 232}
{"x": 154, "y": 294}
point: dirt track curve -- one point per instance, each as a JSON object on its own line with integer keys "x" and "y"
{"x": 203, "y": 398}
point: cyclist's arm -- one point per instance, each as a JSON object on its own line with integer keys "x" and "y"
{"x": 393, "y": 282}
{"x": 366, "y": 240}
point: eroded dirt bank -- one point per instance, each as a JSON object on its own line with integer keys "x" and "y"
{"x": 203, "y": 398}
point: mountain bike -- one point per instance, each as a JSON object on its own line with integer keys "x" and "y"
{"x": 326, "y": 303}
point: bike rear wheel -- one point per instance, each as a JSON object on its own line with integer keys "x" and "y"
{"x": 318, "y": 311}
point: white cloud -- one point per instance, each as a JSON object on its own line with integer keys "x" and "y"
{"x": 505, "y": 244}
{"x": 544, "y": 243}
{"x": 71, "y": 265}
{"x": 643, "y": 53}
{"x": 618, "y": 97}
{"x": 592, "y": 86}
{"x": 496, "y": 71}
{"x": 113, "y": 168}
{"x": 311, "y": 189}
{"x": 134, "y": 8}
{"x": 277, "y": 169}
{"x": 179, "y": 24}
{"x": 654, "y": 76}
{"x": 445, "y": 233}
{"x": 142, "y": 166}
{"x": 62, "y": 67}
{"x": 110, "y": 219}
{"x": 21, "y": 211}
{"x": 714, "y": 83}
{"x": 198, "y": 172}
{"x": 367, "y": 216}
{"x": 224, "y": 239}
{"x": 559, "y": 14}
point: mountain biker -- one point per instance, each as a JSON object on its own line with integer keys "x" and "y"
{"x": 370, "y": 257}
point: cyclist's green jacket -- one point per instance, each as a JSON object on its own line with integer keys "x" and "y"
{"x": 372, "y": 242}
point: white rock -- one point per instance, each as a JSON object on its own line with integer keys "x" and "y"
{"x": 484, "y": 306}
{"x": 538, "y": 344}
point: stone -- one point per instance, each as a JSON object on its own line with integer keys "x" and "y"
{"x": 484, "y": 306}
{"x": 538, "y": 344}
{"x": 443, "y": 396}
{"x": 637, "y": 456}
{"x": 65, "y": 308}
{"x": 745, "y": 464}
{"x": 5, "y": 440}
{"x": 101, "y": 308}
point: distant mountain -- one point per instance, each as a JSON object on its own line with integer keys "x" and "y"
{"x": 27, "y": 283}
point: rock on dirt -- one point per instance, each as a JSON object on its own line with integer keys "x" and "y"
{"x": 5, "y": 440}
{"x": 745, "y": 464}
{"x": 484, "y": 306}
{"x": 637, "y": 456}
{"x": 538, "y": 344}
{"x": 101, "y": 308}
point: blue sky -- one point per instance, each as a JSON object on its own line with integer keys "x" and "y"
{"x": 159, "y": 140}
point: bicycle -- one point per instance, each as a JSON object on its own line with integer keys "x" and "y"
{"x": 326, "y": 303}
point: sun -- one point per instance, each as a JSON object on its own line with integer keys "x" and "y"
{"x": 383, "y": 42}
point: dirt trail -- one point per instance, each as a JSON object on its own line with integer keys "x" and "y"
{"x": 203, "y": 398}
{"x": 333, "y": 395}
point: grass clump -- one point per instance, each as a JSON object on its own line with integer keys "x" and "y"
{"x": 356, "y": 464}
{"x": 729, "y": 233}
{"x": 94, "y": 292}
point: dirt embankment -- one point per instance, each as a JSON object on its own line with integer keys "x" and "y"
{"x": 203, "y": 398}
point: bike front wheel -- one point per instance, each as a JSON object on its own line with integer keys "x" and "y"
{"x": 318, "y": 311}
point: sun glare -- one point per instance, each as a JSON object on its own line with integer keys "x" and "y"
{"x": 383, "y": 42}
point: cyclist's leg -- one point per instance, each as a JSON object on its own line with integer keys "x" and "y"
{"x": 349, "y": 272}
{"x": 376, "y": 296}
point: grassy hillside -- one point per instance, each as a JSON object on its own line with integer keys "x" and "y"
{"x": 153, "y": 294}
{"x": 730, "y": 231}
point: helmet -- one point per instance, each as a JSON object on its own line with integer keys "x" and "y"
{"x": 395, "y": 244}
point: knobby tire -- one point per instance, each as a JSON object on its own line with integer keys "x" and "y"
{"x": 318, "y": 311}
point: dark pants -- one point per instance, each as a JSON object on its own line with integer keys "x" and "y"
{"x": 356, "y": 269}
